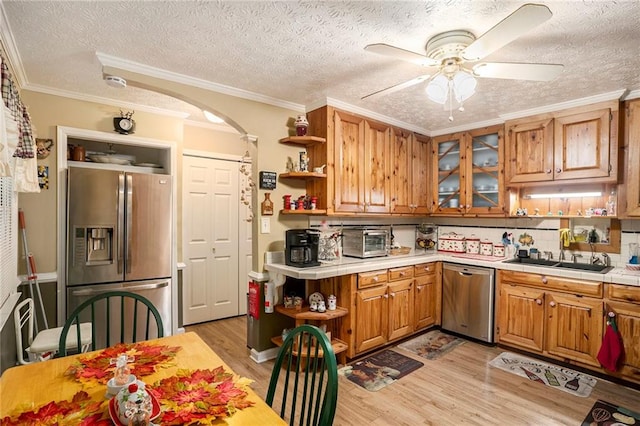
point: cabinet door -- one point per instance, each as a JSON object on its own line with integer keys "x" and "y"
{"x": 371, "y": 318}
{"x": 349, "y": 167}
{"x": 574, "y": 327}
{"x": 426, "y": 301}
{"x": 581, "y": 145}
{"x": 447, "y": 171}
{"x": 401, "y": 171}
{"x": 484, "y": 184}
{"x": 400, "y": 309}
{"x": 628, "y": 322}
{"x": 420, "y": 177}
{"x": 632, "y": 172}
{"x": 521, "y": 317}
{"x": 530, "y": 151}
{"x": 377, "y": 162}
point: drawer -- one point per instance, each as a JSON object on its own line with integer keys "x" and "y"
{"x": 372, "y": 278}
{"x": 396, "y": 274}
{"x": 623, "y": 293}
{"x": 550, "y": 282}
{"x": 424, "y": 269}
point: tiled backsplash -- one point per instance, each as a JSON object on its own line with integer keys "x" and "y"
{"x": 545, "y": 231}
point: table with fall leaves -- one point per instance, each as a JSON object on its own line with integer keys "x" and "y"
{"x": 191, "y": 382}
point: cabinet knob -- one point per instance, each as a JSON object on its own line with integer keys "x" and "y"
{"x": 393, "y": 295}
{"x": 552, "y": 304}
{"x": 375, "y": 278}
{"x": 403, "y": 273}
{"x": 426, "y": 268}
{"x": 420, "y": 288}
{"x": 213, "y": 250}
{"x": 386, "y": 296}
{"x": 544, "y": 280}
{"x": 538, "y": 301}
{"x": 558, "y": 170}
{"x": 548, "y": 171}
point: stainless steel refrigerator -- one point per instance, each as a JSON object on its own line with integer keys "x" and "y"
{"x": 119, "y": 236}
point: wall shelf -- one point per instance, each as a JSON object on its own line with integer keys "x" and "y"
{"x": 302, "y": 175}
{"x": 302, "y": 140}
{"x": 303, "y": 212}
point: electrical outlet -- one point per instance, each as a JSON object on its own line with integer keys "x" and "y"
{"x": 265, "y": 225}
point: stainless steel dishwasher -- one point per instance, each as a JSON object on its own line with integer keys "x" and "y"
{"x": 468, "y": 299}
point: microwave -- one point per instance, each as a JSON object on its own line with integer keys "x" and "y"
{"x": 365, "y": 242}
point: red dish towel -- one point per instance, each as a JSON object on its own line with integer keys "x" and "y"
{"x": 611, "y": 349}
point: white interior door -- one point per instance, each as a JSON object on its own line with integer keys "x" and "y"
{"x": 211, "y": 223}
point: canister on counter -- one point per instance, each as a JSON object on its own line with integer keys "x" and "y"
{"x": 498, "y": 250}
{"x": 473, "y": 244}
{"x": 486, "y": 248}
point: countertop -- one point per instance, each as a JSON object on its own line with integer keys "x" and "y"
{"x": 352, "y": 265}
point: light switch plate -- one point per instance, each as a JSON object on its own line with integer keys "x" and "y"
{"x": 265, "y": 225}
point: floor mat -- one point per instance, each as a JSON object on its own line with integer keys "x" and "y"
{"x": 605, "y": 413}
{"x": 379, "y": 370}
{"x": 432, "y": 345}
{"x": 554, "y": 376}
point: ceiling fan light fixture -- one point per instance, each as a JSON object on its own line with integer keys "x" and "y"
{"x": 464, "y": 85}
{"x": 438, "y": 89}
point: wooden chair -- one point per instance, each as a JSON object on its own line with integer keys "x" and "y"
{"x": 115, "y": 317}
{"x": 308, "y": 385}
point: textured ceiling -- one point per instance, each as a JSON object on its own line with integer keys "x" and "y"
{"x": 306, "y": 52}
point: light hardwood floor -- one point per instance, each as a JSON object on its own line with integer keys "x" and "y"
{"x": 460, "y": 388}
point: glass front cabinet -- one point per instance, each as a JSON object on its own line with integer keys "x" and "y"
{"x": 468, "y": 172}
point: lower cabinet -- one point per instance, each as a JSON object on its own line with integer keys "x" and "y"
{"x": 384, "y": 307}
{"x": 553, "y": 316}
{"x": 624, "y": 303}
{"x": 427, "y": 295}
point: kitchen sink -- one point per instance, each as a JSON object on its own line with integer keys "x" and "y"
{"x": 602, "y": 269}
{"x": 531, "y": 261}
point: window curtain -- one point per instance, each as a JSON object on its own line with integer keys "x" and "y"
{"x": 22, "y": 164}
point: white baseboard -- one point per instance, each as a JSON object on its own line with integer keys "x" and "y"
{"x": 260, "y": 357}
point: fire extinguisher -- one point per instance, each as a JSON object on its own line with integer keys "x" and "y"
{"x": 269, "y": 301}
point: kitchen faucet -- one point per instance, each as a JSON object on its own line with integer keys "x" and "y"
{"x": 548, "y": 255}
{"x": 561, "y": 258}
{"x": 575, "y": 256}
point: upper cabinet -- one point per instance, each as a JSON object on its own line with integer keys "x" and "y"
{"x": 410, "y": 173}
{"x": 372, "y": 167}
{"x": 571, "y": 145}
{"x": 468, "y": 173}
{"x": 361, "y": 158}
{"x": 631, "y": 187}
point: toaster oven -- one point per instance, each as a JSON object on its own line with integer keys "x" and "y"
{"x": 365, "y": 243}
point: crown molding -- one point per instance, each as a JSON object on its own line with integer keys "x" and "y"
{"x": 632, "y": 94}
{"x": 465, "y": 127}
{"x": 115, "y": 62}
{"x": 10, "y": 49}
{"x": 357, "y": 110}
{"x": 105, "y": 101}
{"x": 609, "y": 96}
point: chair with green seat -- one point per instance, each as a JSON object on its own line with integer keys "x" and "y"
{"x": 307, "y": 386}
{"x": 115, "y": 317}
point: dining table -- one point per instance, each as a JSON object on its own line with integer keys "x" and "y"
{"x": 41, "y": 388}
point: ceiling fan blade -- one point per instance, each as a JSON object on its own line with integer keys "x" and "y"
{"x": 405, "y": 55}
{"x": 397, "y": 87}
{"x": 510, "y": 28}
{"x": 513, "y": 71}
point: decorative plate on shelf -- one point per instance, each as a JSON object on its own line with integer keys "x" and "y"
{"x": 316, "y": 297}
{"x": 157, "y": 166}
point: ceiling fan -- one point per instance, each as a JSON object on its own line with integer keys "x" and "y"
{"x": 448, "y": 52}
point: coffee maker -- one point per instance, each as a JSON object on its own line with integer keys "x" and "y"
{"x": 301, "y": 248}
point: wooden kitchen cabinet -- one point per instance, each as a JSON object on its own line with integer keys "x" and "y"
{"x": 410, "y": 173}
{"x": 362, "y": 158}
{"x": 468, "y": 173}
{"x": 427, "y": 295}
{"x": 631, "y": 189}
{"x": 624, "y": 302}
{"x": 384, "y": 307}
{"x": 571, "y": 145}
{"x": 557, "y": 317}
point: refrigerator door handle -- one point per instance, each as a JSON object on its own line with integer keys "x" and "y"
{"x": 120, "y": 222}
{"x": 93, "y": 292}
{"x": 129, "y": 219}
